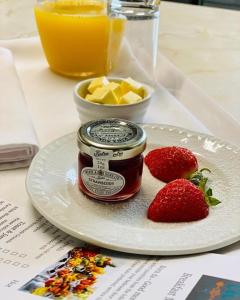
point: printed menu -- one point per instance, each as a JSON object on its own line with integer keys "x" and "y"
{"x": 37, "y": 259}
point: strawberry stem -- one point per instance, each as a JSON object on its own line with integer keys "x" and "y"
{"x": 200, "y": 181}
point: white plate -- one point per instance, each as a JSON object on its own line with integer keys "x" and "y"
{"x": 52, "y": 186}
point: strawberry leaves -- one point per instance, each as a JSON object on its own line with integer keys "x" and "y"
{"x": 200, "y": 181}
{"x": 211, "y": 201}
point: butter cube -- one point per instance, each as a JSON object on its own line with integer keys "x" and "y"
{"x": 116, "y": 88}
{"x": 91, "y": 98}
{"x": 130, "y": 98}
{"x": 129, "y": 84}
{"x": 97, "y": 83}
{"x": 103, "y": 95}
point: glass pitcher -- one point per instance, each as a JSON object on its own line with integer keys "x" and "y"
{"x": 83, "y": 38}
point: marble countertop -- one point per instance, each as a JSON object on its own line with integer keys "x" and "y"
{"x": 204, "y": 43}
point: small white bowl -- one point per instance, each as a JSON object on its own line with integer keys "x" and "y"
{"x": 91, "y": 111}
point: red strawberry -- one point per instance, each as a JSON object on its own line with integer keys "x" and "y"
{"x": 178, "y": 201}
{"x": 169, "y": 163}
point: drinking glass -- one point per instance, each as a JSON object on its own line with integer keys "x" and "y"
{"x": 138, "y": 55}
{"x": 76, "y": 36}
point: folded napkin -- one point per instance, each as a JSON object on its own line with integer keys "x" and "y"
{"x": 18, "y": 143}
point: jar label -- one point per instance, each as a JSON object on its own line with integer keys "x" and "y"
{"x": 99, "y": 179}
{"x": 102, "y": 182}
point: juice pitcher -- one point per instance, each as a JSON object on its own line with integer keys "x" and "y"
{"x": 82, "y": 38}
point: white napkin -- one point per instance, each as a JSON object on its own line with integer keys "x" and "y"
{"x": 18, "y": 143}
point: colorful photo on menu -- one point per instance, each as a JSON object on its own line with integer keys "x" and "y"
{"x": 72, "y": 277}
{"x": 214, "y": 288}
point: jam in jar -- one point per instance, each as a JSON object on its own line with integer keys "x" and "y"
{"x": 110, "y": 160}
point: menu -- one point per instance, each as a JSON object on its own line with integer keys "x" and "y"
{"x": 37, "y": 259}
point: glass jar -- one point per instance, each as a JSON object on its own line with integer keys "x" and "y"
{"x": 110, "y": 160}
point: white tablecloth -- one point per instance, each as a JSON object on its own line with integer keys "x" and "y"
{"x": 49, "y": 99}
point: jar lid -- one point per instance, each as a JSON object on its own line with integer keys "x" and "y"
{"x": 121, "y": 136}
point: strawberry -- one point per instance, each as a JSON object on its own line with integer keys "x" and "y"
{"x": 182, "y": 201}
{"x": 169, "y": 163}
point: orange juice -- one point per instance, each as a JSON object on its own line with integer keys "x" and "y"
{"x": 76, "y": 36}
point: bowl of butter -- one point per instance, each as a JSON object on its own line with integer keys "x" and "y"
{"x": 112, "y": 97}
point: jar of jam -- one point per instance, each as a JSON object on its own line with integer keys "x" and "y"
{"x": 110, "y": 160}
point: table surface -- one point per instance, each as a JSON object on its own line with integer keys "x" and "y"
{"x": 186, "y": 40}
{"x": 204, "y": 43}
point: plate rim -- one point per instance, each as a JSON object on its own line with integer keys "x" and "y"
{"x": 111, "y": 246}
